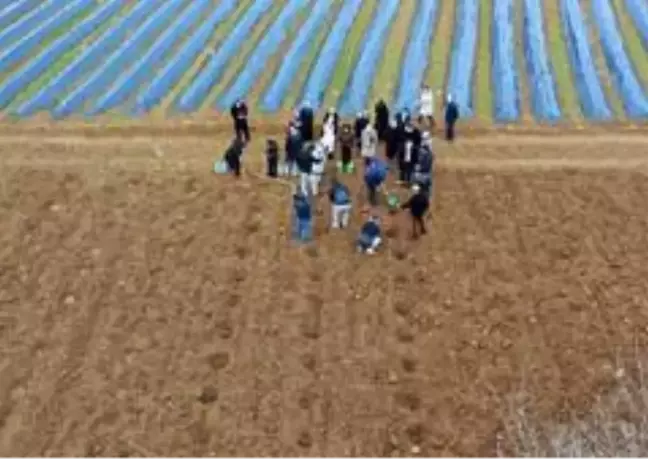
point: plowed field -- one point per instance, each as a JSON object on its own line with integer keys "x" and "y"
{"x": 148, "y": 307}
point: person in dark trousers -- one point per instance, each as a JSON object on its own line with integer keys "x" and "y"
{"x": 346, "y": 145}
{"x": 302, "y": 230}
{"x": 239, "y": 112}
{"x": 451, "y": 117}
{"x": 361, "y": 122}
{"x": 392, "y": 140}
{"x": 233, "y": 156}
{"x": 272, "y": 158}
{"x": 306, "y": 120}
{"x": 375, "y": 175}
{"x": 293, "y": 147}
{"x": 381, "y": 119}
{"x": 418, "y": 205}
{"x": 409, "y": 152}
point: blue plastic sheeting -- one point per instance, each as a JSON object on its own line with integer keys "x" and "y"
{"x": 18, "y": 50}
{"x": 264, "y": 49}
{"x": 10, "y": 14}
{"x": 416, "y": 54}
{"x": 129, "y": 50}
{"x": 542, "y": 87}
{"x": 357, "y": 91}
{"x": 28, "y": 22}
{"x": 131, "y": 79}
{"x": 175, "y": 68}
{"x": 506, "y": 100}
{"x": 88, "y": 59}
{"x": 638, "y": 10}
{"x": 195, "y": 94}
{"x": 45, "y": 58}
{"x": 621, "y": 69}
{"x": 276, "y": 93}
{"x": 462, "y": 62}
{"x": 588, "y": 85}
{"x": 322, "y": 72}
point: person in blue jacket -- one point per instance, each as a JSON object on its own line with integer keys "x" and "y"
{"x": 340, "y": 197}
{"x": 375, "y": 175}
{"x": 302, "y": 217}
{"x": 370, "y": 236}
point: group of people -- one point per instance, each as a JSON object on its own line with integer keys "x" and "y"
{"x": 407, "y": 148}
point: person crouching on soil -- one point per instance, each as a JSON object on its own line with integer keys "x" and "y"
{"x": 374, "y": 177}
{"x": 418, "y": 205}
{"x": 340, "y": 197}
{"x": 370, "y": 236}
{"x": 233, "y": 156}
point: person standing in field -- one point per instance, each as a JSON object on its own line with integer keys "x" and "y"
{"x": 381, "y": 119}
{"x": 374, "y": 176}
{"x": 293, "y": 147}
{"x": 306, "y": 119}
{"x": 272, "y": 158}
{"x": 302, "y": 230}
{"x": 329, "y": 130}
{"x": 346, "y": 144}
{"x": 340, "y": 198}
{"x": 426, "y": 107}
{"x": 451, "y": 117}
{"x": 361, "y": 122}
{"x": 239, "y": 112}
{"x": 233, "y": 156}
{"x": 369, "y": 143}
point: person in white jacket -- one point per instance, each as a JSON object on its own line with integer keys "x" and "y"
{"x": 426, "y": 106}
{"x": 329, "y": 130}
{"x": 317, "y": 170}
{"x": 368, "y": 143}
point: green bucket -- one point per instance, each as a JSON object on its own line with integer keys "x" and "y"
{"x": 349, "y": 169}
{"x": 393, "y": 201}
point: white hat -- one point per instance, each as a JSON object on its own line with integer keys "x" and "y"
{"x": 426, "y": 135}
{"x": 416, "y": 188}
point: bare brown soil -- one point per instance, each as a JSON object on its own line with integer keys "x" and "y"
{"x": 148, "y": 307}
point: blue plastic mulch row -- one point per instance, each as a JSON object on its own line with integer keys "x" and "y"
{"x": 127, "y": 52}
{"x": 322, "y": 73}
{"x": 262, "y": 52}
{"x": 10, "y": 13}
{"x": 542, "y": 85}
{"x": 412, "y": 69}
{"x": 621, "y": 69}
{"x": 131, "y": 79}
{"x": 39, "y": 64}
{"x": 357, "y": 91}
{"x": 88, "y": 59}
{"x": 462, "y": 62}
{"x": 28, "y": 22}
{"x": 506, "y": 100}
{"x": 280, "y": 85}
{"x": 14, "y": 54}
{"x": 588, "y": 84}
{"x": 193, "y": 96}
{"x": 175, "y": 68}
{"x": 638, "y": 10}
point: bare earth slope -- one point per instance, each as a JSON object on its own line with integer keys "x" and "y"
{"x": 148, "y": 307}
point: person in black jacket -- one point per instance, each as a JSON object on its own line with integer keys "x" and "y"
{"x": 392, "y": 140}
{"x": 418, "y": 205}
{"x": 293, "y": 147}
{"x": 451, "y": 117}
{"x": 306, "y": 119}
{"x": 233, "y": 156}
{"x": 381, "y": 119}
{"x": 239, "y": 112}
{"x": 272, "y": 158}
{"x": 346, "y": 146}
